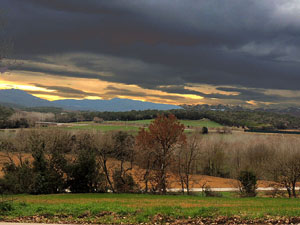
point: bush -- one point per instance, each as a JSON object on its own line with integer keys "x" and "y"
{"x": 6, "y": 206}
{"x": 40, "y": 165}
{"x": 2, "y": 186}
{"x": 204, "y": 130}
{"x": 209, "y": 193}
{"x": 248, "y": 182}
{"x": 17, "y": 178}
{"x": 84, "y": 173}
{"x": 123, "y": 183}
{"x": 41, "y": 184}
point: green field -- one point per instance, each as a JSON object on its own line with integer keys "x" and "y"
{"x": 104, "y": 127}
{"x": 201, "y": 123}
{"x": 136, "y": 208}
{"x": 134, "y": 126}
{"x": 194, "y": 123}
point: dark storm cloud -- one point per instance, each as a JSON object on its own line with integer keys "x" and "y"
{"x": 111, "y": 90}
{"x": 86, "y": 6}
{"x": 63, "y": 91}
{"x": 57, "y": 93}
{"x": 251, "y": 94}
{"x": 120, "y": 70}
{"x": 249, "y": 43}
{"x": 180, "y": 89}
{"x": 243, "y": 94}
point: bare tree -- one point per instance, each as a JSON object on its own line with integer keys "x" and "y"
{"x": 7, "y": 149}
{"x": 285, "y": 166}
{"x": 186, "y": 161}
{"x": 145, "y": 161}
{"x": 289, "y": 172}
{"x": 104, "y": 146}
{"x": 214, "y": 158}
{"x": 123, "y": 150}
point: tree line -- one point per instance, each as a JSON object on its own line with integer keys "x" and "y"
{"x": 247, "y": 119}
{"x": 53, "y": 161}
{"x": 250, "y": 119}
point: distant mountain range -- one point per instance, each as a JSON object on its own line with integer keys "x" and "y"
{"x": 20, "y": 99}
{"x": 15, "y": 97}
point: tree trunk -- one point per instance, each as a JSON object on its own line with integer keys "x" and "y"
{"x": 107, "y": 176}
{"x": 182, "y": 184}
{"x": 146, "y": 181}
{"x": 146, "y": 186}
{"x": 294, "y": 189}
{"x": 163, "y": 186}
{"x": 187, "y": 185}
{"x": 289, "y": 191}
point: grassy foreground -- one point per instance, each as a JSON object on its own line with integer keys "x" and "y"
{"x": 134, "y": 208}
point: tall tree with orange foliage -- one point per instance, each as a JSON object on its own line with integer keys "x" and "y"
{"x": 158, "y": 143}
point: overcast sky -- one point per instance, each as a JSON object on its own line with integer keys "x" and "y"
{"x": 167, "y": 51}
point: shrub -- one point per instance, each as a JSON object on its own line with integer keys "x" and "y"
{"x": 2, "y": 186}
{"x": 248, "y": 182}
{"x": 6, "y": 206}
{"x": 17, "y": 178}
{"x": 123, "y": 183}
{"x": 204, "y": 130}
{"x": 84, "y": 173}
{"x": 209, "y": 193}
